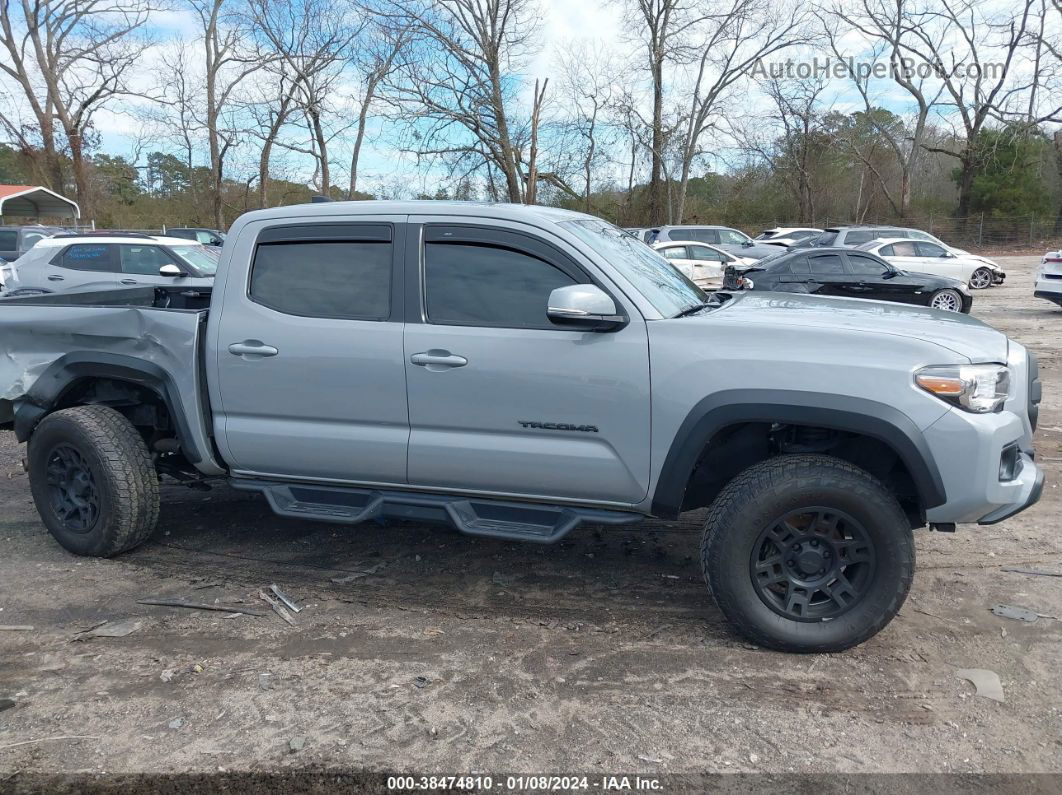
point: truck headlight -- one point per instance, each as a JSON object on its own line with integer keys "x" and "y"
{"x": 978, "y": 388}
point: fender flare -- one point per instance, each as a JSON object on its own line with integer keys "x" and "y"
{"x": 67, "y": 370}
{"x": 839, "y": 412}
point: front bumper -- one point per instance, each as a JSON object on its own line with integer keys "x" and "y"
{"x": 969, "y": 449}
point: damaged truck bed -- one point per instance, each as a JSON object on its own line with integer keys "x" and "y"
{"x": 46, "y": 338}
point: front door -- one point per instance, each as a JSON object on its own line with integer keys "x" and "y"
{"x": 502, "y": 401}
{"x": 828, "y": 275}
{"x": 310, "y": 377}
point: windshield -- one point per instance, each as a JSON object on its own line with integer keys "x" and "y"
{"x": 203, "y": 260}
{"x": 661, "y": 284}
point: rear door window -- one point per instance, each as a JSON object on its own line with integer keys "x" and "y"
{"x": 98, "y": 257}
{"x": 707, "y": 254}
{"x": 8, "y": 239}
{"x": 349, "y": 280}
{"x": 702, "y": 235}
{"x": 674, "y": 252}
{"x": 827, "y": 265}
{"x": 855, "y": 237}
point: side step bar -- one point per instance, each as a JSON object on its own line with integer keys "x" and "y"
{"x": 515, "y": 521}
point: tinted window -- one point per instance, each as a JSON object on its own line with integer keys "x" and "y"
{"x": 467, "y": 284}
{"x": 827, "y": 264}
{"x": 803, "y": 235}
{"x": 328, "y": 279}
{"x": 674, "y": 252}
{"x": 8, "y": 239}
{"x": 703, "y": 235}
{"x": 825, "y": 239}
{"x": 731, "y": 237}
{"x": 856, "y": 237}
{"x": 709, "y": 254}
{"x": 930, "y": 250}
{"x": 144, "y": 260}
{"x": 865, "y": 266}
{"x": 799, "y": 265}
{"x": 92, "y": 257}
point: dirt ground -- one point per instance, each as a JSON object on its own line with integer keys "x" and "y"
{"x": 450, "y": 654}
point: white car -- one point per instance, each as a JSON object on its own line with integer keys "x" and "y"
{"x": 700, "y": 263}
{"x": 920, "y": 256}
{"x": 787, "y": 235}
{"x": 988, "y": 274}
{"x": 1049, "y": 277}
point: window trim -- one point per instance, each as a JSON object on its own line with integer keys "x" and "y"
{"x": 339, "y": 232}
{"x": 475, "y": 234}
{"x": 851, "y": 257}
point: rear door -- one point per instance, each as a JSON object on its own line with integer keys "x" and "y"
{"x": 79, "y": 266}
{"x": 679, "y": 256}
{"x": 828, "y": 275}
{"x": 310, "y": 380}
{"x": 501, "y": 400}
{"x": 708, "y": 264}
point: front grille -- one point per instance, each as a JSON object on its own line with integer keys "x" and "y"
{"x": 1036, "y": 390}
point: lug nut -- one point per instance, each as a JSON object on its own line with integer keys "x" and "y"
{"x": 814, "y": 542}
{"x": 790, "y": 563}
{"x": 822, "y": 571}
{"x": 796, "y": 547}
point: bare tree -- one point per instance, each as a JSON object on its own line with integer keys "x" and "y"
{"x": 383, "y": 47}
{"x": 313, "y": 39}
{"x": 228, "y": 60}
{"x": 70, "y": 58}
{"x": 587, "y": 92}
{"x": 270, "y": 113}
{"x": 662, "y": 25}
{"x": 731, "y": 39}
{"x": 457, "y": 94}
{"x": 886, "y": 23}
{"x": 973, "y": 49}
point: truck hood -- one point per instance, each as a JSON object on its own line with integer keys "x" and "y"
{"x": 959, "y": 333}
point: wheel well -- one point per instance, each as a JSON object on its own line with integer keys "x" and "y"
{"x": 141, "y": 405}
{"x": 736, "y": 447}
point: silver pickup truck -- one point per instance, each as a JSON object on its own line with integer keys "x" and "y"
{"x": 515, "y": 372}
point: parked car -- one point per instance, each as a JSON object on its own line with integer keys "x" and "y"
{"x": 17, "y": 240}
{"x": 924, "y": 257}
{"x": 107, "y": 260}
{"x": 516, "y": 371}
{"x": 206, "y": 237}
{"x": 987, "y": 274}
{"x": 786, "y": 235}
{"x": 852, "y": 274}
{"x": 1049, "y": 277}
{"x": 700, "y": 263}
{"x": 730, "y": 240}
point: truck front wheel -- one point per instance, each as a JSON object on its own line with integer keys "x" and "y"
{"x": 807, "y": 553}
{"x": 92, "y": 480}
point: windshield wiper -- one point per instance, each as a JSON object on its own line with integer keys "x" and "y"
{"x": 692, "y": 310}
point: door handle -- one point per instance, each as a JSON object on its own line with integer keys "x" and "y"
{"x": 55, "y": 278}
{"x": 252, "y": 348}
{"x": 129, "y": 281}
{"x": 436, "y": 360}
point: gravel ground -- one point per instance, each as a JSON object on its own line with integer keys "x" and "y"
{"x": 451, "y": 654}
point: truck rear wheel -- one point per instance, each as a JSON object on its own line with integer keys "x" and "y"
{"x": 807, "y": 553}
{"x": 93, "y": 481}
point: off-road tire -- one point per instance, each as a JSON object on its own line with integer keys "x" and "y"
{"x": 754, "y": 499}
{"x": 123, "y": 476}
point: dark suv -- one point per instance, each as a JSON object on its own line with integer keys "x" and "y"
{"x": 17, "y": 240}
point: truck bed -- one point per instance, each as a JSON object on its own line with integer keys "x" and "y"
{"x": 162, "y": 326}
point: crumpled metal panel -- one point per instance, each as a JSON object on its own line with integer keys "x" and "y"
{"x": 33, "y": 336}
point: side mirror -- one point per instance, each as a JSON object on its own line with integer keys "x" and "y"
{"x": 170, "y": 270}
{"x": 889, "y": 274}
{"x": 584, "y": 306}
{"x": 216, "y": 241}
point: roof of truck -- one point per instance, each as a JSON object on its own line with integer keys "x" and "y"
{"x": 515, "y": 212}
